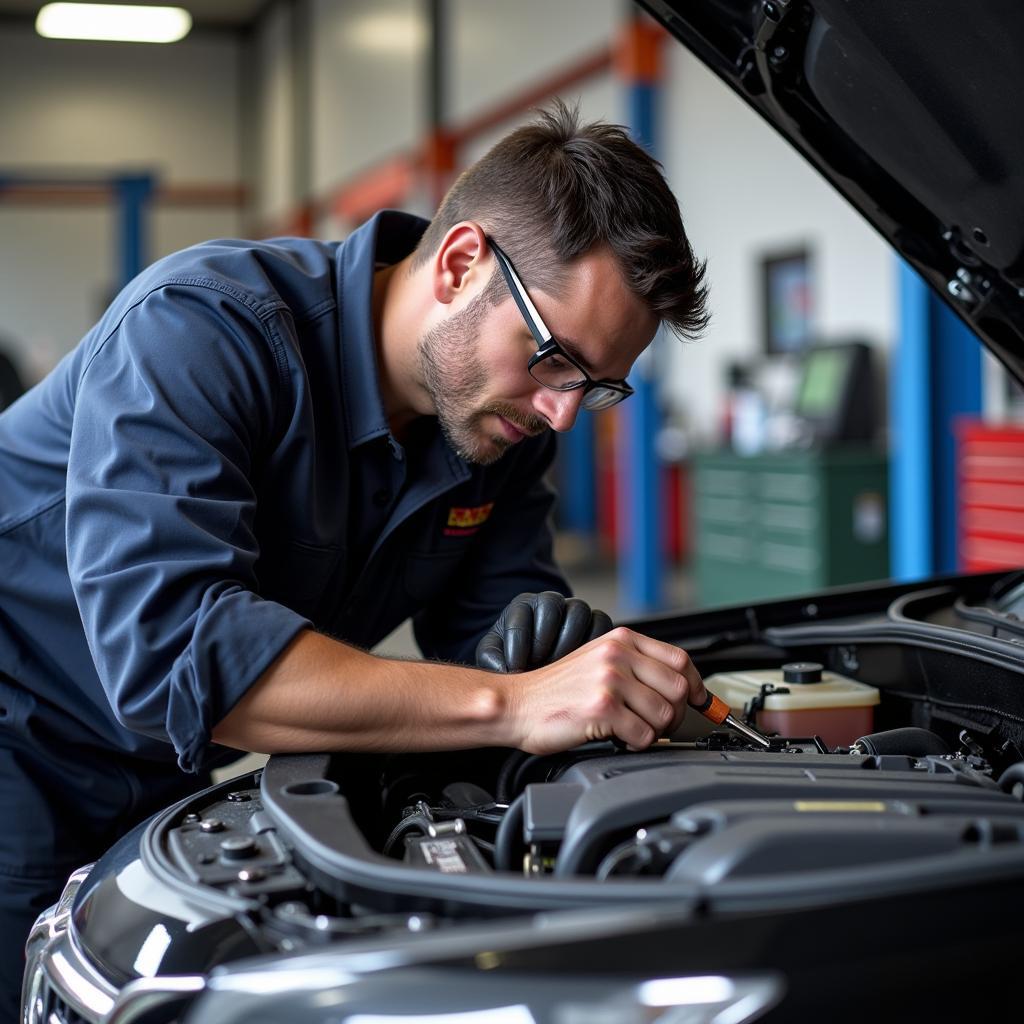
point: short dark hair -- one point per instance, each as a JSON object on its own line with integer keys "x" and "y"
{"x": 554, "y": 189}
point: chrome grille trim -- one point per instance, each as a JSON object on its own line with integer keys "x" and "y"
{"x": 60, "y": 985}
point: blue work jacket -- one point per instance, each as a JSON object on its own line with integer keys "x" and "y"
{"x": 179, "y": 498}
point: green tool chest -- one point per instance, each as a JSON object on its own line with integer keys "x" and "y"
{"x": 782, "y": 524}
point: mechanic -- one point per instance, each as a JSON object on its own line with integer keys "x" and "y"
{"x": 267, "y": 455}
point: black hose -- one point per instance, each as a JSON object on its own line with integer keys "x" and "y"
{"x": 518, "y": 763}
{"x": 909, "y": 741}
{"x": 1012, "y": 778}
{"x": 509, "y": 837}
{"x": 512, "y": 764}
{"x": 420, "y": 822}
{"x": 615, "y": 857}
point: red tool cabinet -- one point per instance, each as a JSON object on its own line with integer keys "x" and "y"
{"x": 990, "y": 496}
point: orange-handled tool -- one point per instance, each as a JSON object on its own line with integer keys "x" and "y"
{"x": 714, "y": 709}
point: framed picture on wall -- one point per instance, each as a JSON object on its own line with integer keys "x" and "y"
{"x": 787, "y": 301}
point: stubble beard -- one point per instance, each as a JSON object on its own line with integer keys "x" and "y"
{"x": 455, "y": 378}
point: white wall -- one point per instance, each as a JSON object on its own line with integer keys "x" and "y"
{"x": 743, "y": 193}
{"x": 274, "y": 185}
{"x": 113, "y": 104}
{"x": 369, "y": 62}
{"x": 599, "y": 98}
{"x": 99, "y": 109}
{"x": 499, "y": 49}
{"x": 176, "y": 110}
{"x": 368, "y": 74}
{"x": 55, "y": 269}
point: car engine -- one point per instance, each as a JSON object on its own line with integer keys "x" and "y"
{"x": 716, "y": 816}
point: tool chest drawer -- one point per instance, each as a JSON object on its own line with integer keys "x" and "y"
{"x": 779, "y": 524}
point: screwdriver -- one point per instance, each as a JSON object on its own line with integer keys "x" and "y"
{"x": 714, "y": 709}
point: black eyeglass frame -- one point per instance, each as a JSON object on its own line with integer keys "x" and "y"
{"x": 547, "y": 344}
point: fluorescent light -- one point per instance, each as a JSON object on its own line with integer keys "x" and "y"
{"x": 114, "y": 22}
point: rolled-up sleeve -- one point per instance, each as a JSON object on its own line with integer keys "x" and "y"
{"x": 513, "y": 555}
{"x": 172, "y": 418}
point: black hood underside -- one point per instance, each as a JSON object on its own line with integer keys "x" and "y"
{"x": 911, "y": 110}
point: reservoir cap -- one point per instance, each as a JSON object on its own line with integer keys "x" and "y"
{"x": 802, "y": 672}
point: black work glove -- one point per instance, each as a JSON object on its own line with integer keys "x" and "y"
{"x": 536, "y": 629}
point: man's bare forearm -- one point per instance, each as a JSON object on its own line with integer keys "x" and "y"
{"x": 324, "y": 695}
{"x": 320, "y": 694}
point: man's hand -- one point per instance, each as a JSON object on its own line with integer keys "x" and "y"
{"x": 621, "y": 685}
{"x": 536, "y": 629}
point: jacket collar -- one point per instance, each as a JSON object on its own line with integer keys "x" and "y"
{"x": 386, "y": 238}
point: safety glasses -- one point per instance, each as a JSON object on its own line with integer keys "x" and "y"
{"x": 551, "y": 365}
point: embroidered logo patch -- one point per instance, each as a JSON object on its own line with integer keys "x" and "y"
{"x": 465, "y": 521}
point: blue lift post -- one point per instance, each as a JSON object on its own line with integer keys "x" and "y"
{"x": 639, "y": 501}
{"x": 133, "y": 194}
{"x": 935, "y": 377}
{"x": 577, "y": 499}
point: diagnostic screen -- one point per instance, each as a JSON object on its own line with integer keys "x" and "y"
{"x": 824, "y": 379}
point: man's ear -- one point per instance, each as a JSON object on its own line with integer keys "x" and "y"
{"x": 458, "y": 260}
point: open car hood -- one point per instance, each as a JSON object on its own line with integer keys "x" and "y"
{"x": 909, "y": 110}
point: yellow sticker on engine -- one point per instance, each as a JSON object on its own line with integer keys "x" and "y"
{"x": 839, "y": 805}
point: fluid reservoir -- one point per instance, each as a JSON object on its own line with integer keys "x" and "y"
{"x": 804, "y": 700}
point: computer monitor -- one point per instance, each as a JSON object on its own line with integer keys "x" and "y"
{"x": 836, "y": 398}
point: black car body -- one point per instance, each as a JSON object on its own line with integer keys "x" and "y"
{"x": 701, "y": 880}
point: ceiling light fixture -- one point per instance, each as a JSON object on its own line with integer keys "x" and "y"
{"x": 113, "y": 22}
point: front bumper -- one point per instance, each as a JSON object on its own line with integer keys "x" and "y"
{"x": 61, "y": 985}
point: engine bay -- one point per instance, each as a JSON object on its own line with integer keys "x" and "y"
{"x": 712, "y": 824}
{"x": 906, "y": 776}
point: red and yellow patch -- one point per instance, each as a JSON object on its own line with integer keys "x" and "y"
{"x": 465, "y": 521}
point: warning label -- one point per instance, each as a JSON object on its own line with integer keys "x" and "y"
{"x": 444, "y": 855}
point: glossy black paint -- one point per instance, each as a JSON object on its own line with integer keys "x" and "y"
{"x": 120, "y": 905}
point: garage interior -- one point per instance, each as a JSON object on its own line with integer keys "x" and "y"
{"x": 841, "y": 817}
{"x": 738, "y": 468}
